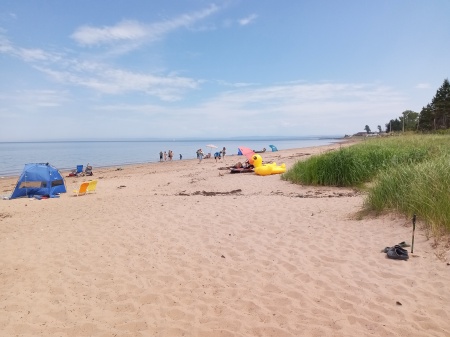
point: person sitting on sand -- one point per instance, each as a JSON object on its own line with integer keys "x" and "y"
{"x": 247, "y": 165}
{"x": 237, "y": 165}
{"x": 88, "y": 170}
{"x": 240, "y": 165}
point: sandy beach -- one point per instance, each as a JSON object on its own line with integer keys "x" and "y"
{"x": 187, "y": 249}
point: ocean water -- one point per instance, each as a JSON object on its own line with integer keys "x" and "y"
{"x": 67, "y": 155}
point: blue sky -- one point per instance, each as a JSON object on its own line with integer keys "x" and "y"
{"x": 84, "y": 69}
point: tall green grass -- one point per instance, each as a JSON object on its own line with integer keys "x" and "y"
{"x": 408, "y": 174}
{"x": 422, "y": 189}
{"x": 352, "y": 166}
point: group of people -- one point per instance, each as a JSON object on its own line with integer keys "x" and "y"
{"x": 166, "y": 155}
{"x": 79, "y": 172}
{"x": 217, "y": 155}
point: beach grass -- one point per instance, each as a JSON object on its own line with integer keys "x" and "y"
{"x": 407, "y": 174}
{"x": 422, "y": 189}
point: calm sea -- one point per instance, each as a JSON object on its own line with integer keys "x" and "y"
{"x": 66, "y": 155}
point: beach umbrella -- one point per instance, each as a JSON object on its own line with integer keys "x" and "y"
{"x": 246, "y": 152}
{"x": 211, "y": 146}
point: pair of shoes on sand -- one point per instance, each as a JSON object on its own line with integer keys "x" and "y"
{"x": 397, "y": 252}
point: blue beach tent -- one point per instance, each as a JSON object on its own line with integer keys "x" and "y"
{"x": 273, "y": 147}
{"x": 39, "y": 180}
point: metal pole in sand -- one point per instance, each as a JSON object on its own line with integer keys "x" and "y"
{"x": 414, "y": 228}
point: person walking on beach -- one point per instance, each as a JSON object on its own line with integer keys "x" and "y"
{"x": 181, "y": 157}
{"x": 165, "y": 155}
{"x": 223, "y": 152}
{"x": 170, "y": 155}
{"x": 160, "y": 155}
{"x": 199, "y": 155}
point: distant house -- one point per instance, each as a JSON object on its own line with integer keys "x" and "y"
{"x": 365, "y": 134}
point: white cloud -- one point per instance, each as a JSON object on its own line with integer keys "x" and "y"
{"x": 236, "y": 84}
{"x": 289, "y": 109}
{"x": 105, "y": 79}
{"x": 34, "y": 55}
{"x": 249, "y": 19}
{"x": 133, "y": 31}
{"x": 126, "y": 30}
{"x": 5, "y": 44}
{"x": 423, "y": 86}
{"x": 98, "y": 76}
{"x": 33, "y": 100}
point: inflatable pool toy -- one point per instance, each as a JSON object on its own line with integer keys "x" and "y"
{"x": 266, "y": 169}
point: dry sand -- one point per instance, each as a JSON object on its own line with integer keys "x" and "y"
{"x": 185, "y": 249}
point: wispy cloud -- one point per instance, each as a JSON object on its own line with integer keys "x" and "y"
{"x": 30, "y": 100}
{"x": 71, "y": 69}
{"x": 293, "y": 108}
{"x": 247, "y": 20}
{"x": 5, "y": 44}
{"x": 124, "y": 31}
{"x": 108, "y": 80}
{"x": 7, "y": 16}
{"x": 36, "y": 55}
{"x": 236, "y": 84}
{"x": 132, "y": 31}
{"x": 423, "y": 86}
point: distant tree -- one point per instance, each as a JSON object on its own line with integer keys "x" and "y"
{"x": 395, "y": 124}
{"x": 379, "y": 128}
{"x": 367, "y": 128}
{"x": 426, "y": 118}
{"x": 410, "y": 119}
{"x": 436, "y": 115}
{"x": 441, "y": 105}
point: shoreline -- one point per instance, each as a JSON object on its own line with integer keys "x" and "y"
{"x": 65, "y": 172}
{"x": 181, "y": 248}
{"x": 122, "y": 153}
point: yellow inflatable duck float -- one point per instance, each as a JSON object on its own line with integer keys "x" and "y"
{"x": 266, "y": 169}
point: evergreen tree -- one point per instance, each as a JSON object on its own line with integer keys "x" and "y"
{"x": 436, "y": 115}
{"x": 441, "y": 105}
{"x": 426, "y": 118}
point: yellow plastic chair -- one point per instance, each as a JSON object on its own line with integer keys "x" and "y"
{"x": 92, "y": 186}
{"x": 82, "y": 190}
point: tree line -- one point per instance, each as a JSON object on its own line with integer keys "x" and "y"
{"x": 435, "y": 116}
